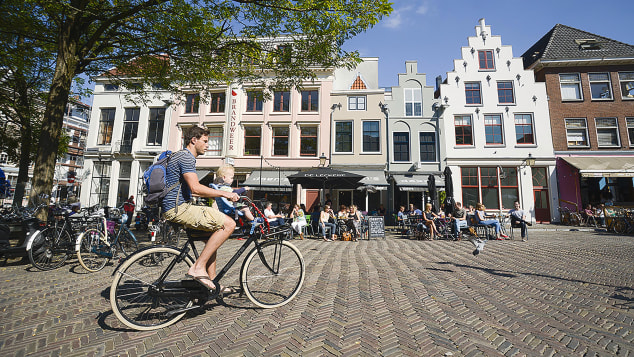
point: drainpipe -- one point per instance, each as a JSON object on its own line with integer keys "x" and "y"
{"x": 390, "y": 191}
{"x": 332, "y": 112}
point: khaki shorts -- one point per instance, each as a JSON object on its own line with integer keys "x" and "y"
{"x": 202, "y": 218}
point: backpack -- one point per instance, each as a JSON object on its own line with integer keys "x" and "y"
{"x": 154, "y": 184}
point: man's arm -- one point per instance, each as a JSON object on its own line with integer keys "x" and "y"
{"x": 203, "y": 191}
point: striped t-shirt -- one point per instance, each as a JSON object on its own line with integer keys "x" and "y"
{"x": 181, "y": 162}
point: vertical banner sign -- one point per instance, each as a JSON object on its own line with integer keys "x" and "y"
{"x": 234, "y": 119}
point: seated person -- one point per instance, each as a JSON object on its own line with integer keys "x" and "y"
{"x": 223, "y": 181}
{"x": 299, "y": 220}
{"x": 458, "y": 218}
{"x": 324, "y": 221}
{"x": 275, "y": 220}
{"x": 354, "y": 221}
{"x": 589, "y": 213}
{"x": 343, "y": 212}
{"x": 429, "y": 216}
{"x": 416, "y": 211}
{"x": 518, "y": 219}
{"x": 481, "y": 218}
{"x": 599, "y": 214}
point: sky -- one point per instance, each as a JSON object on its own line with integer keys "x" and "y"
{"x": 433, "y": 31}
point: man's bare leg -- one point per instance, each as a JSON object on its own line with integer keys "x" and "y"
{"x": 206, "y": 262}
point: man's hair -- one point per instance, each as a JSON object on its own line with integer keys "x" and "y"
{"x": 195, "y": 132}
{"x": 224, "y": 170}
{"x": 458, "y": 204}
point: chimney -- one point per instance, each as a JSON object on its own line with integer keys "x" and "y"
{"x": 483, "y": 31}
{"x": 438, "y": 82}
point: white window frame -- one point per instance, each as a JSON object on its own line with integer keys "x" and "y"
{"x": 497, "y": 88}
{"x": 215, "y": 152}
{"x": 598, "y": 81}
{"x": 585, "y": 130}
{"x": 351, "y": 137}
{"x": 515, "y": 124}
{"x": 4, "y": 158}
{"x": 626, "y": 84}
{"x": 353, "y": 102}
{"x": 412, "y": 96}
{"x": 629, "y": 123}
{"x": 576, "y": 82}
{"x": 501, "y": 118}
{"x": 614, "y": 128}
{"x": 363, "y": 135}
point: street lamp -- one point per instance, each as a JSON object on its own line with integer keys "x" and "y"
{"x": 529, "y": 161}
{"x": 322, "y": 160}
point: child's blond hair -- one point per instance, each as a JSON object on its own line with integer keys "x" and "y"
{"x": 223, "y": 171}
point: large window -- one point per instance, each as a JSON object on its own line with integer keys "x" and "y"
{"x": 191, "y": 103}
{"x": 505, "y": 92}
{"x": 485, "y": 59}
{"x": 100, "y": 186}
{"x": 217, "y": 104}
{"x": 524, "y": 129}
{"x": 472, "y": 92}
{"x": 607, "y": 132}
{"x": 371, "y": 136}
{"x": 626, "y": 82}
{"x": 155, "y": 127}
{"x": 470, "y": 187}
{"x": 308, "y": 141}
{"x": 493, "y": 129}
{"x": 106, "y": 123}
{"x": 214, "y": 147}
{"x": 310, "y": 100}
{"x": 413, "y": 102}
{"x": 570, "y": 86}
{"x": 254, "y": 101}
{"x": 130, "y": 127}
{"x": 495, "y": 187}
{"x": 464, "y": 130}
{"x": 281, "y": 100}
{"x": 252, "y": 135}
{"x": 401, "y": 146}
{"x": 343, "y": 136}
{"x": 427, "y": 147}
{"x": 630, "y": 130}
{"x": 356, "y": 102}
{"x": 280, "y": 140}
{"x": 577, "y": 132}
{"x": 600, "y": 86}
{"x": 123, "y": 191}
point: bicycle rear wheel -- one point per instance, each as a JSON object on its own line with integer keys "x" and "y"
{"x": 620, "y": 226}
{"x": 139, "y": 301}
{"x": 273, "y": 275}
{"x": 127, "y": 244}
{"x": 94, "y": 252}
{"x": 49, "y": 248}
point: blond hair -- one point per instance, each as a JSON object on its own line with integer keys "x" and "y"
{"x": 225, "y": 170}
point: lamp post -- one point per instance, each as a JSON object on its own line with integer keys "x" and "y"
{"x": 529, "y": 161}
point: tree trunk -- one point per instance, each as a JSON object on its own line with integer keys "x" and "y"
{"x": 26, "y": 136}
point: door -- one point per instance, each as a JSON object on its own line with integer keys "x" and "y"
{"x": 312, "y": 198}
{"x": 540, "y": 194}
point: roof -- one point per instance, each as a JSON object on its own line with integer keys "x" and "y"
{"x": 568, "y": 43}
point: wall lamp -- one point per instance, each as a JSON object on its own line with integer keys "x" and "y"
{"x": 322, "y": 160}
{"x": 529, "y": 161}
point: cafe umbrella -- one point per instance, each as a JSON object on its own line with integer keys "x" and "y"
{"x": 433, "y": 194}
{"x": 325, "y": 178}
{"x": 449, "y": 200}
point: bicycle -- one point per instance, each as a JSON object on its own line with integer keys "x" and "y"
{"x": 149, "y": 293}
{"x": 94, "y": 248}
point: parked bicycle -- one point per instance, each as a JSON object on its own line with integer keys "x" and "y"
{"x": 150, "y": 291}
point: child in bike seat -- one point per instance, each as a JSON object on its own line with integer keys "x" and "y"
{"x": 223, "y": 181}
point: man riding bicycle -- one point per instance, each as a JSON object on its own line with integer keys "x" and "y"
{"x": 179, "y": 209}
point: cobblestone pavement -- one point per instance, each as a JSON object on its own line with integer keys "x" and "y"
{"x": 561, "y": 293}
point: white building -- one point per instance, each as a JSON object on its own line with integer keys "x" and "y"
{"x": 495, "y": 117}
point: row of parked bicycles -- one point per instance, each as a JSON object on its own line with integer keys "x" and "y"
{"x": 619, "y": 220}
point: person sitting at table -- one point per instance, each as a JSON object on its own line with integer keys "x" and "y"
{"x": 600, "y": 214}
{"x": 343, "y": 211}
{"x": 428, "y": 218}
{"x": 354, "y": 221}
{"x": 324, "y": 218}
{"x": 299, "y": 220}
{"x": 411, "y": 210}
{"x": 274, "y": 219}
{"x": 481, "y": 218}
{"x": 459, "y": 219}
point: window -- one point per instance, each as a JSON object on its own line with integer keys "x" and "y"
{"x": 570, "y": 86}
{"x": 343, "y": 136}
{"x": 626, "y": 82}
{"x": 493, "y": 129}
{"x": 356, "y": 102}
{"x": 470, "y": 188}
{"x": 524, "y": 129}
{"x": 123, "y": 191}
{"x": 106, "y": 123}
{"x": 600, "y": 87}
{"x": 464, "y": 130}
{"x": 308, "y": 141}
{"x": 191, "y": 103}
{"x": 310, "y": 101}
{"x": 371, "y": 136}
{"x": 214, "y": 147}
{"x": 428, "y": 147}
{"x": 100, "y": 185}
{"x": 495, "y": 187}
{"x": 485, "y": 58}
{"x": 155, "y": 127}
{"x": 472, "y": 93}
{"x": 413, "y": 102}
{"x": 280, "y": 140}
{"x": 630, "y": 129}
{"x": 281, "y": 101}
{"x": 217, "y": 104}
{"x": 4, "y": 158}
{"x": 254, "y": 101}
{"x": 489, "y": 187}
{"x": 607, "y": 132}
{"x": 401, "y": 146}
{"x": 505, "y": 93}
{"x": 109, "y": 87}
{"x": 252, "y": 135}
{"x": 577, "y": 132}
{"x": 130, "y": 127}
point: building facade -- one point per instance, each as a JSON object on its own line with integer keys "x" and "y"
{"x": 590, "y": 84}
{"x": 495, "y": 118}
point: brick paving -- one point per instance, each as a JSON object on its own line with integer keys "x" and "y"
{"x": 562, "y": 293}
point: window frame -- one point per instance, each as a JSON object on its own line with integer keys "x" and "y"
{"x": 486, "y": 60}
{"x": 413, "y": 96}
{"x": 468, "y": 90}
{"x": 160, "y": 123}
{"x": 531, "y": 125}
{"x": 624, "y": 83}
{"x": 470, "y": 126}
{"x": 614, "y": 128}
{"x": 275, "y": 137}
{"x": 340, "y": 140}
{"x": 375, "y": 136}
{"x": 488, "y": 126}
{"x": 282, "y": 101}
{"x": 401, "y": 143}
{"x": 307, "y": 101}
{"x": 576, "y": 82}
{"x": 106, "y": 126}
{"x": 254, "y": 101}
{"x": 218, "y": 102}
{"x": 130, "y": 126}
{"x": 192, "y": 103}
{"x": 356, "y": 102}
{"x": 629, "y": 125}
{"x": 505, "y": 91}
{"x": 433, "y": 144}
{"x": 608, "y": 80}
{"x": 257, "y": 136}
{"x": 213, "y": 136}
{"x": 584, "y": 129}
{"x": 303, "y": 137}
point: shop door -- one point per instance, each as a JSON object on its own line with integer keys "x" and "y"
{"x": 312, "y": 199}
{"x": 540, "y": 194}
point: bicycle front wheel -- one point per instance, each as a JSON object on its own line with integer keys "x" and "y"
{"x": 127, "y": 243}
{"x": 273, "y": 275}
{"x": 137, "y": 297}
{"x": 49, "y": 249}
{"x": 620, "y": 226}
{"x": 94, "y": 252}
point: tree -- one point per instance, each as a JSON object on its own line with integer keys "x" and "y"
{"x": 198, "y": 43}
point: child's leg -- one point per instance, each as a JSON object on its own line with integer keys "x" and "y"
{"x": 247, "y": 214}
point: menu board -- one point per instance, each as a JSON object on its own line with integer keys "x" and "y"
{"x": 376, "y": 227}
